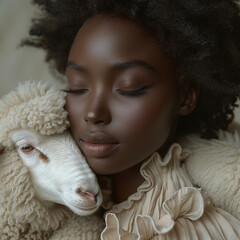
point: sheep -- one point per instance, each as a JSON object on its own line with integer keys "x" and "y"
{"x": 44, "y": 179}
{"x": 215, "y": 167}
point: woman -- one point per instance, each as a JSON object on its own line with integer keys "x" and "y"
{"x": 141, "y": 74}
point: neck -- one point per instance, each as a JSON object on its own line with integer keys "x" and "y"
{"x": 126, "y": 183}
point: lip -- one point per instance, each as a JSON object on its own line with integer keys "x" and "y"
{"x": 98, "y": 150}
{"x": 98, "y": 145}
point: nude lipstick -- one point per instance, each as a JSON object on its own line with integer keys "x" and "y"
{"x": 98, "y": 150}
{"x": 98, "y": 144}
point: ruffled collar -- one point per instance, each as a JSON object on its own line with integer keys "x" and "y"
{"x": 154, "y": 209}
{"x": 147, "y": 170}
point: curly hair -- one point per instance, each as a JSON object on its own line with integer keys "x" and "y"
{"x": 201, "y": 36}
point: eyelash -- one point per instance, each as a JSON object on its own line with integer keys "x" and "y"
{"x": 78, "y": 91}
{"x": 137, "y": 92}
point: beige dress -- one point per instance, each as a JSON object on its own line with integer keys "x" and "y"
{"x": 167, "y": 206}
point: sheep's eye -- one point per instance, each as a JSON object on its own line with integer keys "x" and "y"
{"x": 26, "y": 148}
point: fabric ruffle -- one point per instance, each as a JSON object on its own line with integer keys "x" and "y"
{"x": 167, "y": 206}
{"x": 149, "y": 172}
{"x": 187, "y": 203}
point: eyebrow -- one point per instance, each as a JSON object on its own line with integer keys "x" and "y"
{"x": 117, "y": 66}
{"x": 137, "y": 63}
{"x": 77, "y": 67}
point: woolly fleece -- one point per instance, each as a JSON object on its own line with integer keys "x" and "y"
{"x": 215, "y": 167}
{"x": 36, "y": 106}
{"x": 22, "y": 215}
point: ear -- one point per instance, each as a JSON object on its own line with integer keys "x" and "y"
{"x": 188, "y": 101}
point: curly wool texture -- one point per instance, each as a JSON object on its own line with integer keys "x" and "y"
{"x": 22, "y": 215}
{"x": 39, "y": 107}
{"x": 215, "y": 167}
{"x": 36, "y": 106}
{"x": 80, "y": 228}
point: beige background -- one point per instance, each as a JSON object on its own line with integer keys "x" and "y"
{"x": 20, "y": 64}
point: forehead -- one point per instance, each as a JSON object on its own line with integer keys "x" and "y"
{"x": 116, "y": 27}
{"x": 117, "y": 39}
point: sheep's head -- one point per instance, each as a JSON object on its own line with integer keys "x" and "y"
{"x": 33, "y": 121}
{"x": 59, "y": 172}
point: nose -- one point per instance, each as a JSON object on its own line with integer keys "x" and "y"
{"x": 97, "y": 111}
{"x": 90, "y": 199}
{"x": 87, "y": 195}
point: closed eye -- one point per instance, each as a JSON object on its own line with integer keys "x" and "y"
{"x": 136, "y": 92}
{"x": 77, "y": 91}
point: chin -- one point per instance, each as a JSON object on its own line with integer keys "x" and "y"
{"x": 83, "y": 206}
{"x": 83, "y": 212}
{"x": 108, "y": 170}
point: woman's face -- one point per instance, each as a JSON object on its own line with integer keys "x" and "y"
{"x": 123, "y": 97}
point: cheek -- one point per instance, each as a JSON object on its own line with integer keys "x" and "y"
{"x": 30, "y": 160}
{"x": 75, "y": 110}
{"x": 72, "y": 105}
{"x": 146, "y": 119}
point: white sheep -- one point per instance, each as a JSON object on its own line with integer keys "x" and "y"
{"x": 42, "y": 172}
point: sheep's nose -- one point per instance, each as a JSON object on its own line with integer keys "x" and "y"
{"x": 90, "y": 197}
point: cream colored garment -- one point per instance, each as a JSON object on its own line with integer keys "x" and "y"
{"x": 167, "y": 206}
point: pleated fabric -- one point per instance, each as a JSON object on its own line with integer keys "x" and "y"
{"x": 167, "y": 206}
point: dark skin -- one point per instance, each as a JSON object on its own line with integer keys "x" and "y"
{"x": 124, "y": 99}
